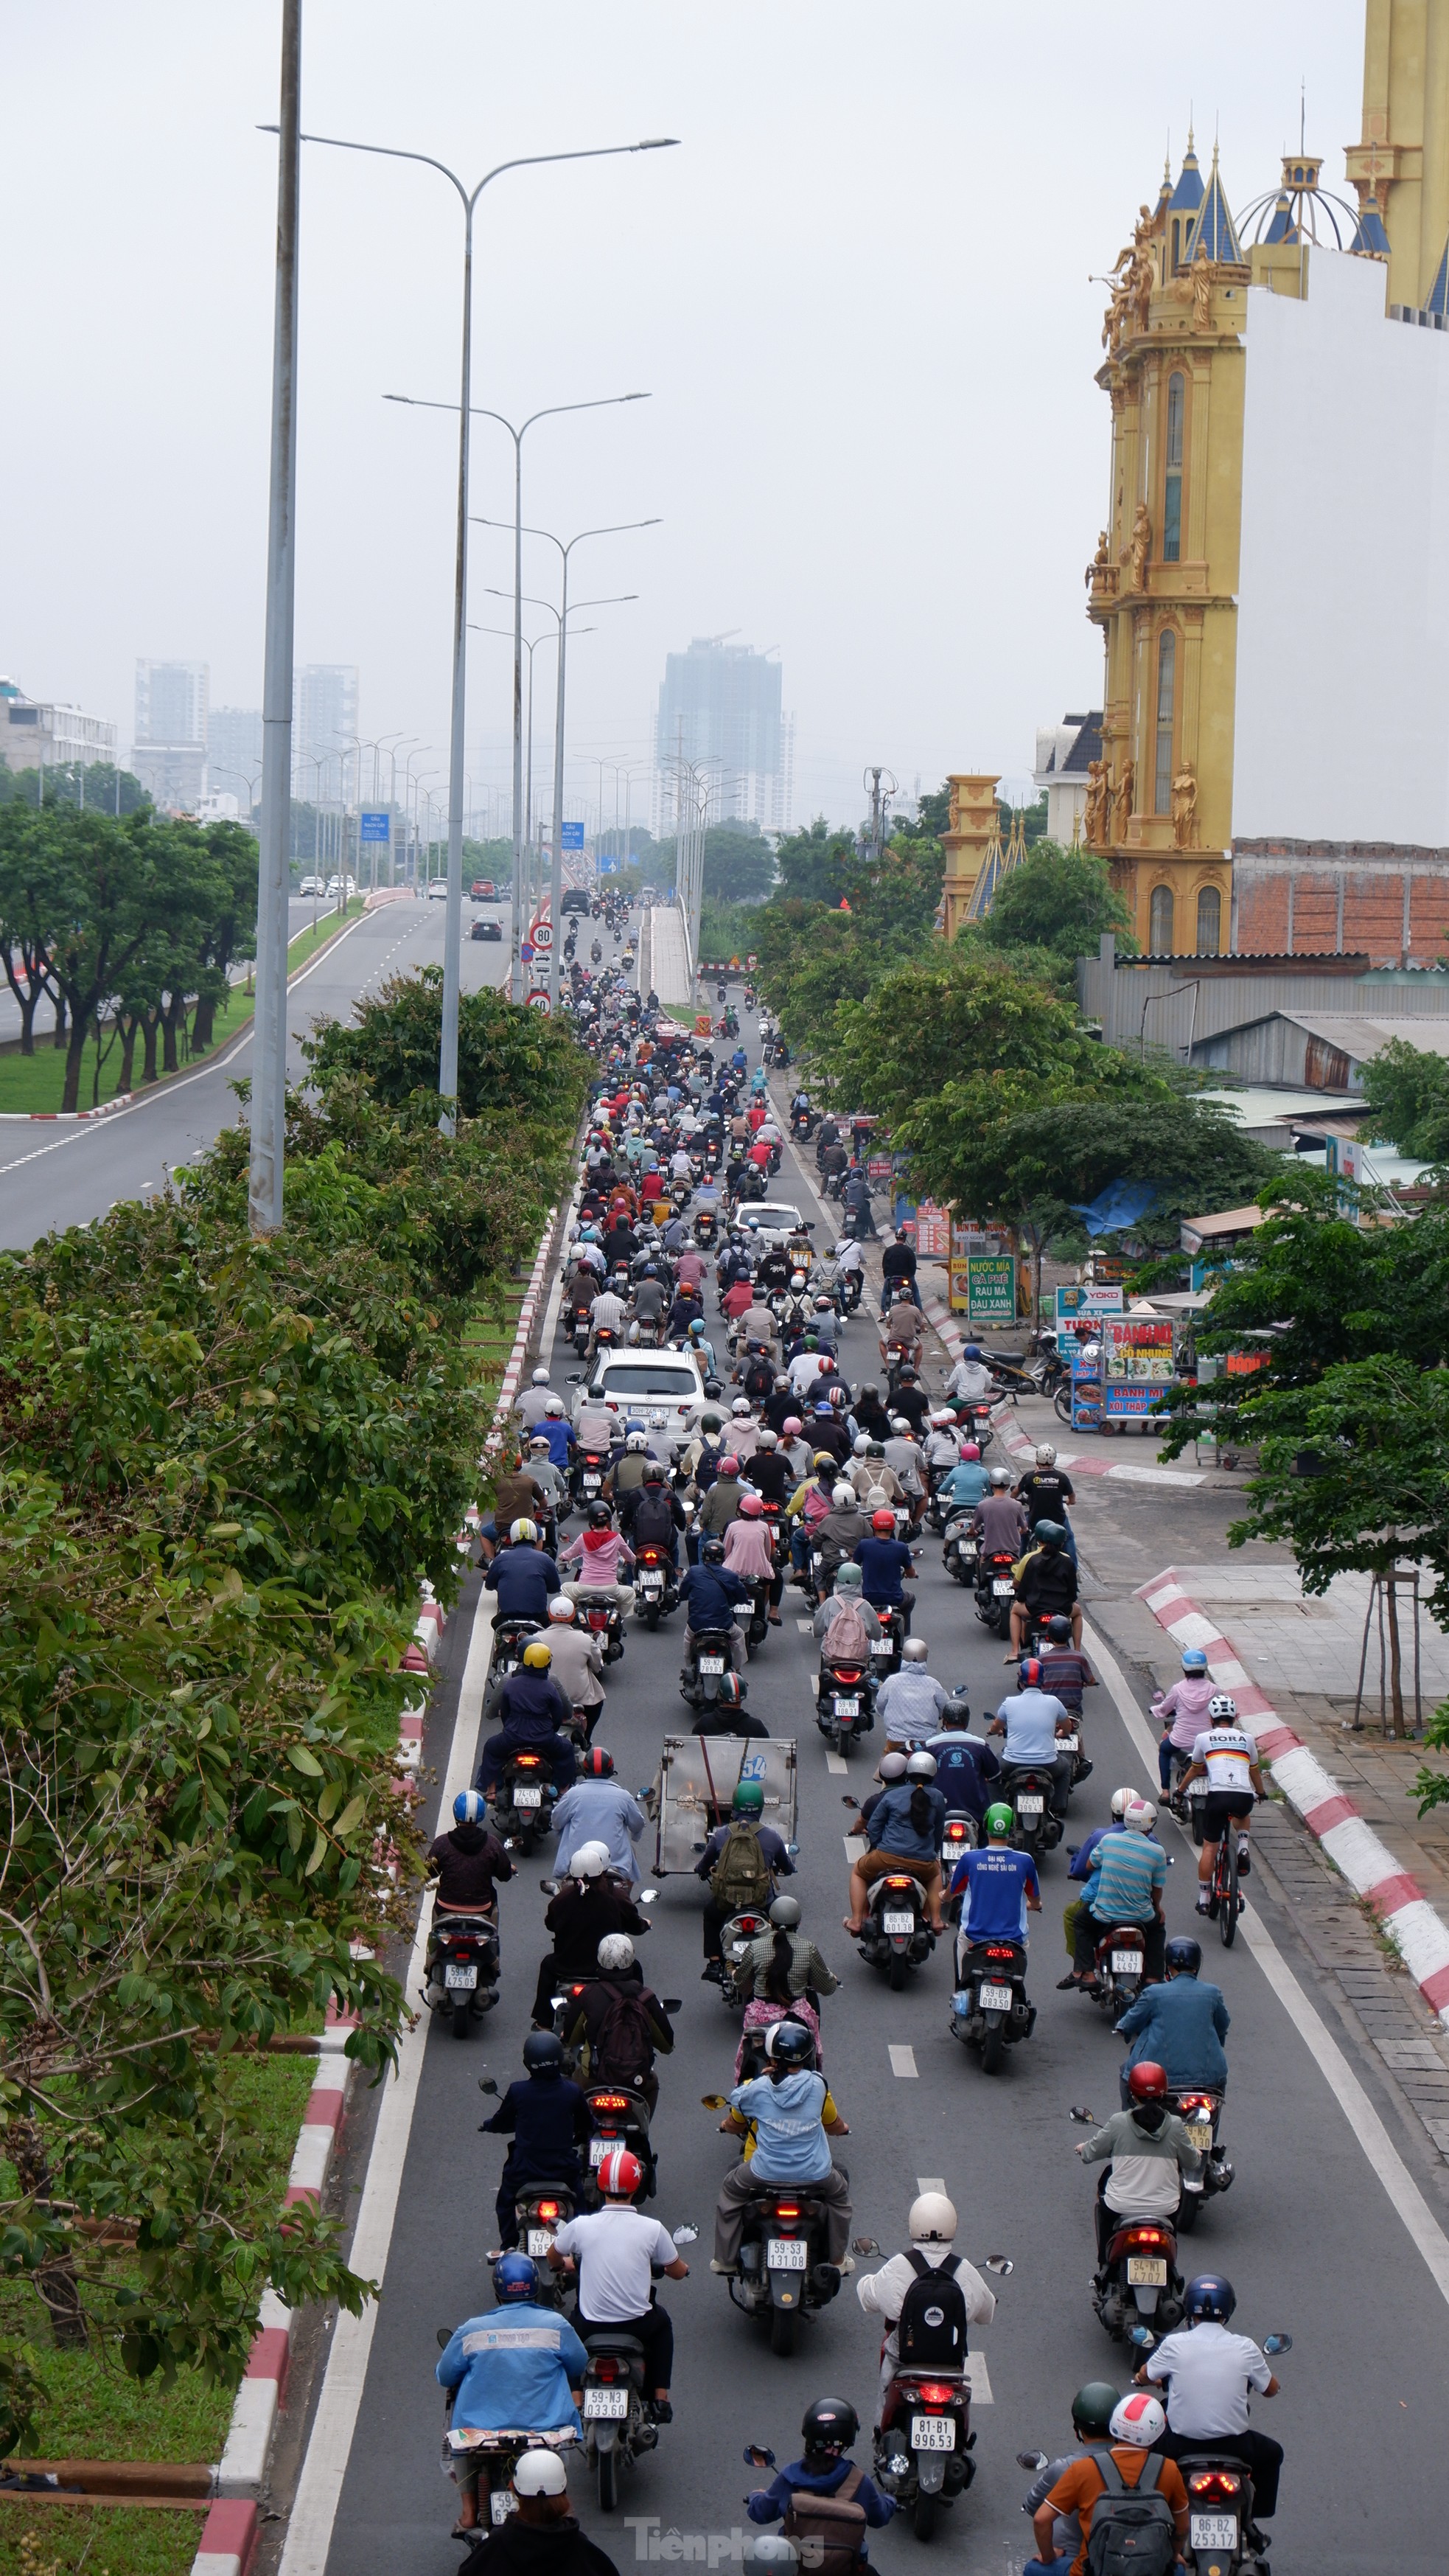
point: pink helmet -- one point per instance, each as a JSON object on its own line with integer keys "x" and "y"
{"x": 792, "y": 1427}
{"x": 729, "y": 1466}
{"x": 970, "y": 1448}
{"x": 751, "y": 1507}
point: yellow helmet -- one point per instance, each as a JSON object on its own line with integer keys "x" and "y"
{"x": 538, "y": 1654}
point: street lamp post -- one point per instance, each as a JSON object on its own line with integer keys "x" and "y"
{"x": 452, "y": 947}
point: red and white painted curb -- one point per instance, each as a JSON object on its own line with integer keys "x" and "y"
{"x": 527, "y": 1314}
{"x": 1417, "y": 1931}
{"x": 1019, "y": 1446}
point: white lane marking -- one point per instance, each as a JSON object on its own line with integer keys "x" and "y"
{"x": 1399, "y": 2185}
{"x": 805, "y": 1626}
{"x": 980, "y": 2378}
{"x": 903, "y": 2060}
{"x": 837, "y": 1763}
{"x": 319, "y": 2488}
{"x": 930, "y": 2182}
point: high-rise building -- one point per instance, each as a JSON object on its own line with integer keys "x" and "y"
{"x": 719, "y": 716}
{"x": 169, "y": 755}
{"x": 234, "y": 754}
{"x": 324, "y": 723}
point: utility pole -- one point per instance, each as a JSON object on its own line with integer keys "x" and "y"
{"x": 269, "y": 1047}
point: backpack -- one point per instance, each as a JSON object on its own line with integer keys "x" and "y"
{"x": 653, "y": 1522}
{"x": 829, "y": 2528}
{"x": 623, "y": 2053}
{"x": 931, "y": 2328}
{"x": 848, "y": 1637}
{"x": 741, "y": 1875}
{"x": 1131, "y": 2532}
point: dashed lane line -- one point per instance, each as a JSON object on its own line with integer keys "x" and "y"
{"x": 903, "y": 2060}
{"x": 837, "y": 1763}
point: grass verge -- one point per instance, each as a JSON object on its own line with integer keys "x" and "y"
{"x": 93, "y": 2540}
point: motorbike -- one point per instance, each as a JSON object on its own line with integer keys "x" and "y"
{"x": 1138, "y": 2291}
{"x": 524, "y": 1797}
{"x": 604, "y": 1619}
{"x": 579, "y": 1327}
{"x": 989, "y": 2007}
{"x": 586, "y": 1479}
{"x": 843, "y": 1705}
{"x": 1027, "y": 1789}
{"x": 620, "y": 2118}
{"x": 750, "y": 1924}
{"x": 618, "y": 2414}
{"x": 1121, "y": 1969}
{"x": 995, "y": 1590}
{"x": 758, "y": 1627}
{"x": 706, "y": 1228}
{"x": 803, "y": 1123}
{"x": 500, "y": 2454}
{"x": 707, "y": 1659}
{"x": 960, "y": 1548}
{"x": 460, "y": 1977}
{"x": 958, "y": 1835}
{"x": 851, "y": 1290}
{"x": 1189, "y": 1805}
{"x": 783, "y": 2273}
{"x": 656, "y": 1584}
{"x": 510, "y": 1636}
{"x": 1220, "y": 2505}
{"x": 897, "y": 1936}
{"x": 885, "y": 1650}
{"x": 1201, "y": 2111}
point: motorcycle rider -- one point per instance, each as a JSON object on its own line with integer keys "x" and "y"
{"x": 1180, "y": 2025}
{"x": 829, "y": 2430}
{"x": 531, "y": 1405}
{"x": 598, "y": 1808}
{"x": 808, "y": 1507}
{"x": 612, "y": 2252}
{"x": 521, "y": 1576}
{"x": 1029, "y": 1719}
{"x": 1065, "y": 1669}
{"x": 1226, "y": 1756}
{"x": 1092, "y": 2411}
{"x": 555, "y": 1429}
{"x": 518, "y": 2364}
{"x": 790, "y": 2111}
{"x": 578, "y": 1662}
{"x": 1045, "y": 1488}
{"x": 932, "y": 2228}
{"x": 965, "y": 1763}
{"x": 626, "y": 1475}
{"x": 941, "y": 1446}
{"x": 600, "y": 1553}
{"x": 542, "y": 2538}
{"x": 652, "y": 1516}
{"x": 1000, "y": 1887}
{"x": 1209, "y": 2374}
{"x": 711, "y": 1594}
{"x": 898, "y": 1272}
{"x": 998, "y": 1523}
{"x": 1046, "y": 1587}
{"x": 1135, "y": 2428}
{"x": 904, "y": 1826}
{"x": 839, "y": 1534}
{"x": 903, "y": 1457}
{"x": 847, "y": 1595}
{"x": 911, "y": 1701}
{"x": 1182, "y": 1713}
{"x": 535, "y": 1715}
{"x": 884, "y": 1562}
{"x": 1146, "y": 2150}
{"x": 750, "y": 1553}
{"x": 546, "y": 1476}
{"x": 469, "y": 1862}
{"x": 726, "y": 1713}
{"x": 967, "y": 1483}
{"x": 546, "y": 2118}
{"x": 740, "y": 1864}
{"x": 770, "y": 1469}
{"x": 622, "y": 2042}
{"x": 1128, "y": 1875}
{"x": 902, "y": 1328}
{"x": 590, "y": 1904}
{"x": 970, "y": 1380}
{"x": 910, "y": 1399}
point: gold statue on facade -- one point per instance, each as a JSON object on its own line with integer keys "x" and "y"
{"x": 1096, "y": 815}
{"x": 1124, "y": 797}
{"x": 1202, "y": 290}
{"x": 1140, "y": 546}
{"x": 1099, "y": 567}
{"x": 1184, "y": 808}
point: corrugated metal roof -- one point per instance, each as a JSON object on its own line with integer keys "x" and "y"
{"x": 1355, "y": 1035}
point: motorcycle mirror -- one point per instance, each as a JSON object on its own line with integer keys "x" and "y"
{"x": 699, "y": 1846}
{"x": 445, "y": 2337}
{"x": 851, "y": 1802}
{"x": 549, "y": 1886}
{"x": 1143, "y": 2337}
{"x": 794, "y": 1850}
{"x": 756, "y": 2457}
{"x": 1083, "y": 2118}
{"x": 1275, "y": 2343}
{"x": 575, "y": 1381}
{"x": 674, "y": 2003}
{"x": 1035, "y": 2460}
{"x": 685, "y": 2235}
{"x": 864, "y": 2245}
{"x": 1001, "y": 2264}
{"x": 648, "y": 1896}
{"x": 715, "y": 2101}
{"x": 486, "y": 2084}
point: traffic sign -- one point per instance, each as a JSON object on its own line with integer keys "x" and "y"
{"x": 608, "y": 863}
{"x": 376, "y": 827}
{"x": 540, "y": 931}
{"x": 525, "y": 950}
{"x": 538, "y": 1001}
{"x": 573, "y": 836}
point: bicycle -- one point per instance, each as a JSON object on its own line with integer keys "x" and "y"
{"x": 1225, "y": 1902}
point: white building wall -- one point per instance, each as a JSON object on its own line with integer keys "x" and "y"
{"x": 1343, "y": 620}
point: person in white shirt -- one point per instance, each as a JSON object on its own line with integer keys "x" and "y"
{"x": 1210, "y": 2373}
{"x": 1226, "y": 1756}
{"x": 609, "y": 1311}
{"x": 803, "y": 1372}
{"x": 932, "y": 2226}
{"x": 970, "y": 1379}
{"x": 612, "y": 2252}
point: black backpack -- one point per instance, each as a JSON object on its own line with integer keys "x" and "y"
{"x": 1131, "y": 2532}
{"x": 623, "y": 2053}
{"x": 653, "y": 1524}
{"x": 931, "y": 2330}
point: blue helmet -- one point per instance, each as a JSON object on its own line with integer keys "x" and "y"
{"x": 972, "y": 1351}
{"x": 1194, "y": 1660}
{"x": 633, "y": 1424}
{"x": 1209, "y": 2299}
{"x": 514, "y": 2277}
{"x": 470, "y": 1808}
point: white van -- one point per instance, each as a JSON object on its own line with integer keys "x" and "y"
{"x": 663, "y": 1389}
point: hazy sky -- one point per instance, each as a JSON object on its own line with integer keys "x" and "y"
{"x": 860, "y": 296}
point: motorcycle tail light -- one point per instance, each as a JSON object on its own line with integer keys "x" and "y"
{"x": 548, "y": 2209}
{"x": 900, "y": 1882}
{"x": 1214, "y": 2482}
{"x": 611, "y": 2102}
{"x": 842, "y": 1675}
{"x": 605, "y": 2370}
{"x": 787, "y": 2209}
{"x": 936, "y": 2392}
{"x": 1146, "y": 2236}
{"x": 527, "y": 1761}
{"x": 1196, "y": 2101}
{"x": 992, "y": 1952}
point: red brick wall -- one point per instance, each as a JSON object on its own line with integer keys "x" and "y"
{"x": 1288, "y": 897}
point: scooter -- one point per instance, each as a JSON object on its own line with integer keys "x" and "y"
{"x": 524, "y": 1797}
{"x": 897, "y": 1936}
{"x": 843, "y": 1708}
{"x": 461, "y": 1974}
{"x": 656, "y": 1585}
{"x": 707, "y": 1660}
{"x": 960, "y": 1549}
{"x": 924, "y": 2441}
{"x": 1027, "y": 1788}
{"x": 617, "y": 2410}
{"x": 783, "y": 2274}
{"x": 995, "y": 1591}
{"x": 989, "y": 2008}
{"x": 1201, "y": 2111}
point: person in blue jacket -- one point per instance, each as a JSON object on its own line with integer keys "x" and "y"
{"x": 546, "y": 2117}
{"x": 1181, "y": 2024}
{"x": 523, "y": 1577}
{"x": 517, "y": 2367}
{"x": 884, "y": 1563}
{"x": 830, "y": 2430}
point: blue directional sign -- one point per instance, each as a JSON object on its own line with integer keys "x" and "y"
{"x": 608, "y": 863}
{"x": 573, "y": 836}
{"x": 376, "y": 827}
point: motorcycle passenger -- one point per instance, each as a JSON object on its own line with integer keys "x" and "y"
{"x": 884, "y": 1561}
{"x": 547, "y": 1477}
{"x": 599, "y": 1552}
{"x": 578, "y": 1662}
{"x": 898, "y": 1273}
{"x": 1065, "y": 1669}
{"x": 725, "y": 1493}
{"x": 612, "y": 2251}
{"x": 790, "y": 2111}
{"x": 1181, "y": 2025}
{"x": 739, "y": 1864}
{"x": 1126, "y": 2461}
{"x": 591, "y": 1903}
{"x": 903, "y": 1457}
{"x": 1081, "y": 1865}
{"x": 521, "y": 1576}
{"x": 999, "y": 1884}
{"x": 726, "y": 1713}
{"x": 1029, "y": 1719}
{"x": 781, "y": 1976}
{"x": 1227, "y": 1758}
{"x": 546, "y": 2118}
{"x": 808, "y": 1507}
{"x": 555, "y": 1429}
{"x": 770, "y": 1469}
{"x": 932, "y": 2228}
{"x": 998, "y": 1522}
{"x": 621, "y": 2022}
{"x": 965, "y": 1763}
{"x": 517, "y": 2364}
{"x": 845, "y": 1647}
{"x": 829, "y": 2430}
{"x": 1209, "y": 2374}
{"x": 535, "y": 1714}
{"x": 1046, "y": 1587}
{"x": 1182, "y": 1712}
{"x": 970, "y": 1379}
{"x": 598, "y": 1808}
{"x": 910, "y": 1701}
{"x": 711, "y": 1594}
{"x": 749, "y": 1551}
{"x": 905, "y": 1825}
{"x": 1128, "y": 1875}
{"x": 839, "y": 1534}
{"x": 1092, "y": 2411}
{"x": 1146, "y": 2150}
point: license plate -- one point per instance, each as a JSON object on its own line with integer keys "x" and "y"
{"x": 1030, "y": 1806}
{"x": 901, "y": 1922}
{"x": 932, "y": 2433}
{"x": 528, "y": 1797}
{"x": 501, "y": 2504}
{"x": 599, "y": 2148}
{"x": 711, "y": 1663}
{"x": 606, "y": 2401}
{"x": 880, "y": 1645}
{"x": 1200, "y": 2135}
{"x": 651, "y": 1582}
{"x": 1147, "y": 2271}
{"x": 1001, "y": 1587}
{"x": 996, "y": 1998}
{"x": 592, "y": 1484}
{"x": 1213, "y": 2530}
{"x": 539, "y": 2239}
{"x": 1069, "y": 1744}
{"x": 1126, "y": 1963}
{"x": 847, "y": 1707}
{"x": 786, "y": 2254}
{"x": 463, "y": 1978}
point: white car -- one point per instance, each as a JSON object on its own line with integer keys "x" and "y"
{"x": 662, "y": 1389}
{"x": 438, "y": 890}
{"x": 774, "y": 1220}
{"x": 311, "y": 885}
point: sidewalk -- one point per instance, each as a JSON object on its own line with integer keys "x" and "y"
{"x": 667, "y": 952}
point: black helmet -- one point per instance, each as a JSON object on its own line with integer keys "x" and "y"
{"x": 543, "y": 2053}
{"x": 731, "y": 1691}
{"x": 1210, "y": 2299}
{"x": 830, "y": 2424}
{"x": 653, "y": 1473}
{"x": 1093, "y": 2408}
{"x": 1059, "y": 1630}
{"x": 1183, "y": 1954}
{"x": 1050, "y": 1534}
{"x": 957, "y": 1711}
{"x": 791, "y": 2044}
{"x": 712, "y": 1552}
{"x": 600, "y": 1516}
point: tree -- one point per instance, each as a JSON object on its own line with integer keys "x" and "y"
{"x": 26, "y": 918}
{"x": 1407, "y": 1092}
{"x": 1059, "y": 900}
{"x": 739, "y": 866}
{"x": 510, "y": 1059}
{"x": 817, "y": 865}
{"x": 229, "y": 927}
{"x": 100, "y": 787}
{"x": 90, "y": 892}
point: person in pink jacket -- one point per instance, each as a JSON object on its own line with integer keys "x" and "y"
{"x": 750, "y": 1553}
{"x": 600, "y": 1553}
{"x": 1183, "y": 1712}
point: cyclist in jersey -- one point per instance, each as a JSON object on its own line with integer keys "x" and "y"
{"x": 1226, "y": 1757}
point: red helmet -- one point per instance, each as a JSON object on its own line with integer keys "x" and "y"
{"x": 883, "y": 1523}
{"x": 620, "y": 2174}
{"x": 1147, "y": 2082}
{"x": 751, "y": 1507}
{"x": 1029, "y": 1672}
{"x": 598, "y": 1765}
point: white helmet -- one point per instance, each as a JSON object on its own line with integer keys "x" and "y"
{"x": 589, "y": 1861}
{"x": 561, "y": 1608}
{"x": 768, "y": 1440}
{"x": 842, "y": 1497}
{"x": 540, "y": 2472}
{"x": 540, "y": 1377}
{"x": 1139, "y": 2420}
{"x": 860, "y": 1444}
{"x": 616, "y": 1950}
{"x": 636, "y": 1443}
{"x": 900, "y": 1426}
{"x": 1046, "y": 1455}
{"x": 932, "y": 2220}
{"x": 554, "y": 1408}
{"x": 1141, "y": 1817}
{"x": 741, "y": 1405}
{"x": 1122, "y": 1799}
{"x": 920, "y": 1765}
{"x": 914, "y": 1651}
{"x": 943, "y": 1419}
{"x": 1000, "y": 1478}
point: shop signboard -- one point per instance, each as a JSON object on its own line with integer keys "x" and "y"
{"x": 1137, "y": 1368}
{"x": 1075, "y": 1305}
